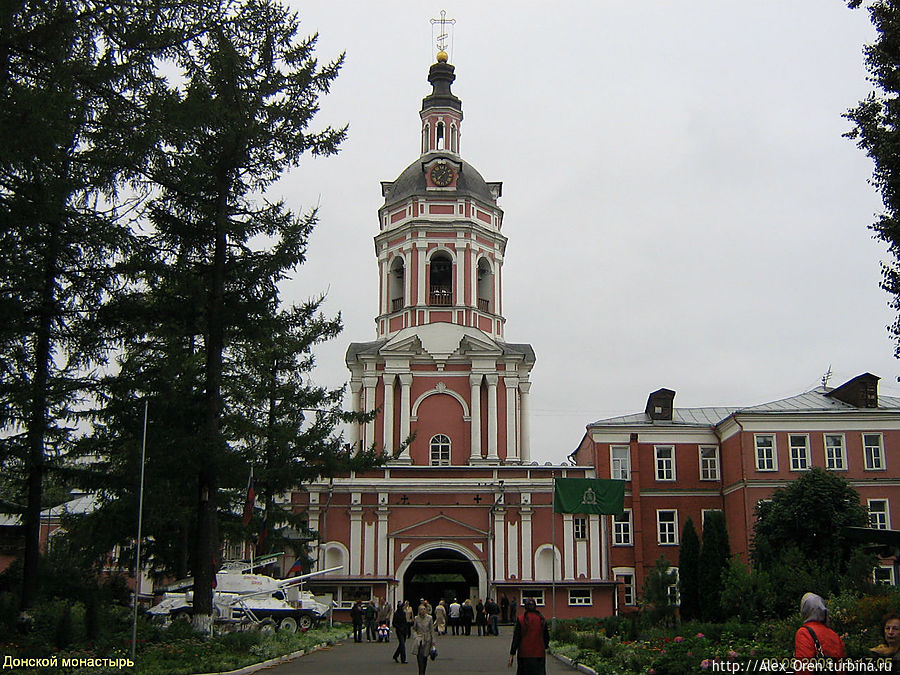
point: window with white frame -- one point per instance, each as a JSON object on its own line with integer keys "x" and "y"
{"x": 533, "y": 594}
{"x": 667, "y": 527}
{"x": 620, "y": 462}
{"x": 629, "y": 596}
{"x": 765, "y": 453}
{"x": 672, "y": 589}
{"x": 622, "y": 529}
{"x": 665, "y": 462}
{"x": 835, "y": 459}
{"x": 579, "y": 596}
{"x": 799, "y": 452}
{"x": 440, "y": 450}
{"x": 884, "y": 576}
{"x": 579, "y": 525}
{"x": 709, "y": 462}
{"x": 874, "y": 452}
{"x": 879, "y": 514}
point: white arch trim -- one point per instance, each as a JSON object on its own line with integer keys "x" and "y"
{"x": 411, "y": 556}
{"x": 440, "y": 249}
{"x": 343, "y": 550}
{"x": 537, "y": 557}
{"x": 432, "y": 392}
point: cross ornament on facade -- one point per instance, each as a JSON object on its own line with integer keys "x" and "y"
{"x": 443, "y": 31}
{"x": 477, "y": 498}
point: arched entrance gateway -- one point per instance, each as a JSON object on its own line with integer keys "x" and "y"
{"x": 441, "y": 573}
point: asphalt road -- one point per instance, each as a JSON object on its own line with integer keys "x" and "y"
{"x": 459, "y": 655}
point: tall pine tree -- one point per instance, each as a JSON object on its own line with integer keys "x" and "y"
{"x": 689, "y": 572}
{"x": 714, "y": 556}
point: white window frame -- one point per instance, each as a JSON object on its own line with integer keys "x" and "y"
{"x": 629, "y": 596}
{"x": 580, "y": 600}
{"x": 665, "y": 467}
{"x": 709, "y": 467}
{"x": 536, "y": 594}
{"x": 886, "y": 574}
{"x": 879, "y": 519}
{"x": 620, "y": 467}
{"x": 835, "y": 462}
{"x": 622, "y": 530}
{"x": 671, "y": 538}
{"x": 869, "y": 459}
{"x": 800, "y": 457}
{"x": 766, "y": 460}
{"x": 580, "y": 528}
{"x": 436, "y": 444}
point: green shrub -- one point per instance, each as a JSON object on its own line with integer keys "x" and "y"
{"x": 63, "y": 635}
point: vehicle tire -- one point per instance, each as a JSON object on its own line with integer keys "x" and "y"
{"x": 306, "y": 621}
{"x": 288, "y": 625}
{"x": 267, "y": 627}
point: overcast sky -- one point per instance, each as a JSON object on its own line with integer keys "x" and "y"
{"x": 682, "y": 210}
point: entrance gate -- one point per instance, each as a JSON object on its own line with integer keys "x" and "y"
{"x": 440, "y": 574}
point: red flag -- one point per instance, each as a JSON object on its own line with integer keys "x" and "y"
{"x": 251, "y": 500}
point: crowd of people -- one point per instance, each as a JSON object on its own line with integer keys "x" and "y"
{"x": 375, "y": 619}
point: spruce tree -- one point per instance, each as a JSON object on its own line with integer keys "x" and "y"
{"x": 714, "y": 556}
{"x": 689, "y": 571}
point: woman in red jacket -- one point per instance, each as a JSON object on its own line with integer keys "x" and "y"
{"x": 815, "y": 640}
{"x": 531, "y": 638}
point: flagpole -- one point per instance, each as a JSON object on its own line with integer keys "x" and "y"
{"x": 553, "y": 551}
{"x": 137, "y": 555}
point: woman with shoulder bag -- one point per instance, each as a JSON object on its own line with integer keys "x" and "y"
{"x": 423, "y": 629}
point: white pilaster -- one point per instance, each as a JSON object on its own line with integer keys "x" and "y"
{"x": 369, "y": 548}
{"x": 512, "y": 547}
{"x": 527, "y": 552}
{"x": 355, "y": 388}
{"x": 596, "y": 541}
{"x": 388, "y": 419}
{"x": 422, "y": 281}
{"x": 491, "y": 380}
{"x": 369, "y": 383}
{"x": 381, "y": 564}
{"x": 524, "y": 426}
{"x": 568, "y": 547}
{"x": 512, "y": 447}
{"x": 405, "y": 383}
{"x": 475, "y": 383}
{"x": 356, "y": 548}
{"x": 499, "y": 544}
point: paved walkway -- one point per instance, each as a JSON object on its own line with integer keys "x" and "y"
{"x": 459, "y": 655}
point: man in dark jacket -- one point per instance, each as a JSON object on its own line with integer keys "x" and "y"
{"x": 370, "y": 613}
{"x": 531, "y": 637}
{"x": 356, "y": 616}
{"x": 401, "y": 627}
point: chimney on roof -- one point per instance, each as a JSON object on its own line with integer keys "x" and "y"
{"x": 860, "y": 392}
{"x": 660, "y": 404}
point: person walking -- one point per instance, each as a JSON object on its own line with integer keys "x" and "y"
{"x": 492, "y": 610}
{"x": 408, "y": 610}
{"x": 531, "y": 637}
{"x": 467, "y": 616}
{"x": 370, "y": 613}
{"x": 356, "y": 617}
{"x": 423, "y": 629}
{"x": 480, "y": 618}
{"x": 401, "y": 628}
{"x": 440, "y": 618}
{"x": 453, "y": 616}
{"x": 814, "y": 639}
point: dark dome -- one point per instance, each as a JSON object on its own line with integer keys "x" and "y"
{"x": 412, "y": 181}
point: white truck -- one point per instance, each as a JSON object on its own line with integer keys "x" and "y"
{"x": 254, "y": 599}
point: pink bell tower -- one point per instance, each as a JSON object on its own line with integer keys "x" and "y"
{"x": 440, "y": 367}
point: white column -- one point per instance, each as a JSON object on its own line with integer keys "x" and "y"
{"x": 460, "y": 275}
{"x": 524, "y": 427}
{"x": 355, "y": 388}
{"x": 385, "y": 274}
{"x": 492, "y": 417}
{"x": 597, "y": 540}
{"x": 369, "y": 384}
{"x": 475, "y": 403}
{"x": 512, "y": 447}
{"x": 422, "y": 282}
{"x": 381, "y": 564}
{"x": 388, "y": 414}
{"x": 499, "y": 544}
{"x": 356, "y": 548}
{"x": 568, "y": 547}
{"x": 527, "y": 553}
{"x": 405, "y": 383}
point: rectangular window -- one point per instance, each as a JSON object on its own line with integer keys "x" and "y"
{"x": 350, "y": 594}
{"x": 884, "y": 576}
{"x": 536, "y": 595}
{"x": 835, "y": 459}
{"x": 667, "y": 528}
{"x": 622, "y": 529}
{"x": 799, "y": 452}
{"x": 879, "y": 514}
{"x": 765, "y": 453}
{"x": 620, "y": 462}
{"x": 709, "y": 463}
{"x": 874, "y": 452}
{"x": 665, "y": 462}
{"x": 579, "y": 596}
{"x": 627, "y": 588}
{"x": 579, "y": 524}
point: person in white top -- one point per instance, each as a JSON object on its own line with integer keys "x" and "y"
{"x": 454, "y": 614}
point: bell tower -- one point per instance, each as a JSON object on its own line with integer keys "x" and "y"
{"x": 440, "y": 367}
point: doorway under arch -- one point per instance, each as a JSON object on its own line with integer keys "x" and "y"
{"x": 440, "y": 574}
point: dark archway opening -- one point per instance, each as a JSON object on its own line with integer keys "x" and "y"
{"x": 440, "y": 574}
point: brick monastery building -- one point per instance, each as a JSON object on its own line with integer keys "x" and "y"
{"x": 463, "y": 510}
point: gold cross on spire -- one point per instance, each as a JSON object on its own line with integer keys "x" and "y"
{"x": 443, "y": 34}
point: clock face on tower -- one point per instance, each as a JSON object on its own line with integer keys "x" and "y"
{"x": 441, "y": 175}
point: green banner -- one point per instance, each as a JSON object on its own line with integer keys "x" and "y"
{"x": 588, "y": 495}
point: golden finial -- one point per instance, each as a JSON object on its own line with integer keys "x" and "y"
{"x": 442, "y": 56}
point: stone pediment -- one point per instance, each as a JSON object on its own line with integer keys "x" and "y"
{"x": 442, "y": 341}
{"x": 439, "y": 527}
